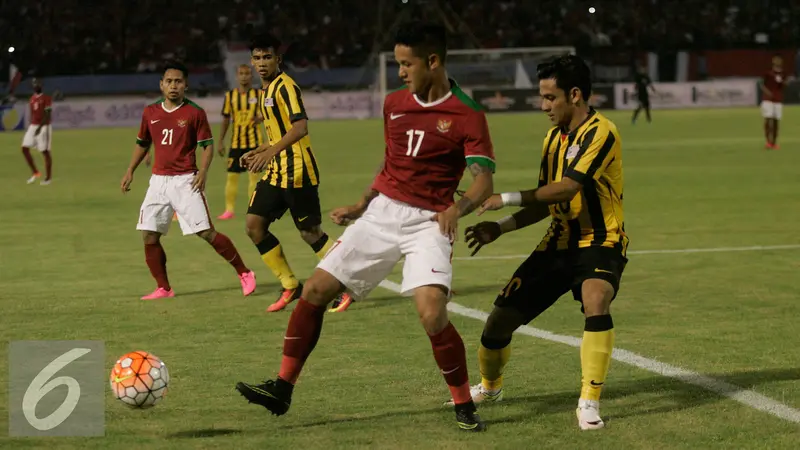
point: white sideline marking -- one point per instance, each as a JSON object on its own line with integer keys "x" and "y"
{"x": 744, "y": 396}
{"x": 753, "y": 248}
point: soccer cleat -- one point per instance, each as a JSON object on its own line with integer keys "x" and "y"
{"x": 588, "y": 413}
{"x": 248, "y": 281}
{"x": 481, "y": 395}
{"x": 468, "y": 419}
{"x": 46, "y": 182}
{"x": 287, "y": 296}
{"x": 159, "y": 293}
{"x": 342, "y": 303}
{"x": 227, "y": 215}
{"x": 270, "y": 395}
{"x": 34, "y": 177}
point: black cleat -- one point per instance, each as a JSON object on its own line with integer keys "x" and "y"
{"x": 276, "y": 395}
{"x": 468, "y": 419}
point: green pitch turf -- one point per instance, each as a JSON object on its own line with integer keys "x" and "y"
{"x": 72, "y": 267}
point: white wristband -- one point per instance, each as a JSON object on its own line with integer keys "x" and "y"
{"x": 507, "y": 224}
{"x": 511, "y": 198}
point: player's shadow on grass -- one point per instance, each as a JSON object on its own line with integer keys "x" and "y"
{"x": 203, "y": 433}
{"x": 232, "y": 289}
{"x": 658, "y": 394}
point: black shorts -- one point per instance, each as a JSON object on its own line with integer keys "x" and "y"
{"x": 271, "y": 202}
{"x": 545, "y": 276}
{"x": 644, "y": 102}
{"x": 234, "y": 155}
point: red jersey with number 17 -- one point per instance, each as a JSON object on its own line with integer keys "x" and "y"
{"x": 428, "y": 146}
{"x": 176, "y": 134}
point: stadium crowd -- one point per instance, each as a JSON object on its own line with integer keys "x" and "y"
{"x": 65, "y": 37}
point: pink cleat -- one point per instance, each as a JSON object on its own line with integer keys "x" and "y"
{"x": 227, "y": 215}
{"x": 248, "y": 280}
{"x": 160, "y": 293}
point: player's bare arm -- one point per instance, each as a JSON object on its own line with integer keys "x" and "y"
{"x": 346, "y": 214}
{"x": 257, "y": 160}
{"x": 199, "y": 182}
{"x": 480, "y": 189}
{"x": 562, "y": 191}
{"x": 484, "y": 233}
{"x": 139, "y": 154}
{"x": 223, "y": 130}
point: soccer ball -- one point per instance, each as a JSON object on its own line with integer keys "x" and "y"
{"x": 139, "y": 379}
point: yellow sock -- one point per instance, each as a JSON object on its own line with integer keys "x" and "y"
{"x": 251, "y": 185}
{"x": 272, "y": 255}
{"x": 491, "y": 363}
{"x": 326, "y": 246}
{"x": 231, "y": 189}
{"x": 596, "y": 347}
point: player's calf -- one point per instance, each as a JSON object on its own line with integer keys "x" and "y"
{"x": 596, "y": 348}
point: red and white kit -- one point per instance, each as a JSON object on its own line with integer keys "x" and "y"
{"x": 772, "y": 105}
{"x": 428, "y": 146}
{"x": 39, "y": 103}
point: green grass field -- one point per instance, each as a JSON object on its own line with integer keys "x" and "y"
{"x": 72, "y": 267}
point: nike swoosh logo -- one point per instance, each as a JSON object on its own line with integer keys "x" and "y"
{"x": 395, "y": 116}
{"x": 437, "y": 271}
{"x": 450, "y": 371}
{"x": 593, "y": 383}
{"x": 302, "y": 219}
{"x": 118, "y": 379}
{"x": 154, "y": 121}
{"x": 291, "y": 337}
{"x": 603, "y": 271}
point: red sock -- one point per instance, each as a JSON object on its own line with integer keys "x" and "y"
{"x": 156, "y": 260}
{"x": 48, "y": 164}
{"x": 302, "y": 335}
{"x": 448, "y": 349}
{"x": 223, "y": 245}
{"x": 27, "y": 153}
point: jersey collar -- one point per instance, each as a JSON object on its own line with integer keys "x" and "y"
{"x": 453, "y": 86}
{"x": 591, "y": 114}
{"x": 164, "y": 107}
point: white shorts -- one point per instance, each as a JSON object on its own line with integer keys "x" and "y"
{"x": 388, "y": 231}
{"x": 42, "y": 141}
{"x": 771, "y": 110}
{"x": 170, "y": 194}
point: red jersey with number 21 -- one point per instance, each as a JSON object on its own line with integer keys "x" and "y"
{"x": 175, "y": 133}
{"x": 428, "y": 146}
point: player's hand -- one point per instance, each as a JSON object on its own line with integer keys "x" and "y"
{"x": 199, "y": 181}
{"x": 492, "y": 203}
{"x": 448, "y": 222}
{"x": 346, "y": 214}
{"x": 256, "y": 162}
{"x": 481, "y": 234}
{"x": 125, "y": 184}
{"x": 221, "y": 150}
{"x": 38, "y": 130}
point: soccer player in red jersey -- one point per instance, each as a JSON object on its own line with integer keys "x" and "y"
{"x": 39, "y": 134}
{"x": 772, "y": 85}
{"x": 433, "y": 131}
{"x": 177, "y": 126}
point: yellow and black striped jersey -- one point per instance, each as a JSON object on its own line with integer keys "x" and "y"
{"x": 592, "y": 156}
{"x": 281, "y": 105}
{"x": 241, "y": 107}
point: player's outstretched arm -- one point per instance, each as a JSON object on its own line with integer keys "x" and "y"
{"x": 346, "y": 214}
{"x": 481, "y": 189}
{"x": 484, "y": 233}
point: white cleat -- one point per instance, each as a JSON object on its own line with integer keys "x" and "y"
{"x": 46, "y": 182}
{"x": 33, "y": 178}
{"x": 481, "y": 395}
{"x": 588, "y": 413}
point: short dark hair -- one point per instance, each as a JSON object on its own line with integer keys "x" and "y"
{"x": 176, "y": 65}
{"x": 569, "y": 71}
{"x": 423, "y": 38}
{"x": 265, "y": 41}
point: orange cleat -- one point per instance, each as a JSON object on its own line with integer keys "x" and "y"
{"x": 287, "y": 296}
{"x": 342, "y": 303}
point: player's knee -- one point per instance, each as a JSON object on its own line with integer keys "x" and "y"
{"x": 432, "y": 308}
{"x": 311, "y": 234}
{"x": 207, "y": 235}
{"x": 596, "y": 296}
{"x": 321, "y": 288}
{"x": 256, "y": 228}
{"x": 150, "y": 237}
{"x": 502, "y": 323}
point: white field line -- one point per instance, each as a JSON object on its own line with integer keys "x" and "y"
{"x": 753, "y": 248}
{"x": 744, "y": 396}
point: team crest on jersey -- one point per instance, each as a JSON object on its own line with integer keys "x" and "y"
{"x": 444, "y": 125}
{"x": 252, "y": 100}
{"x": 268, "y": 102}
{"x": 182, "y": 123}
{"x": 572, "y": 151}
